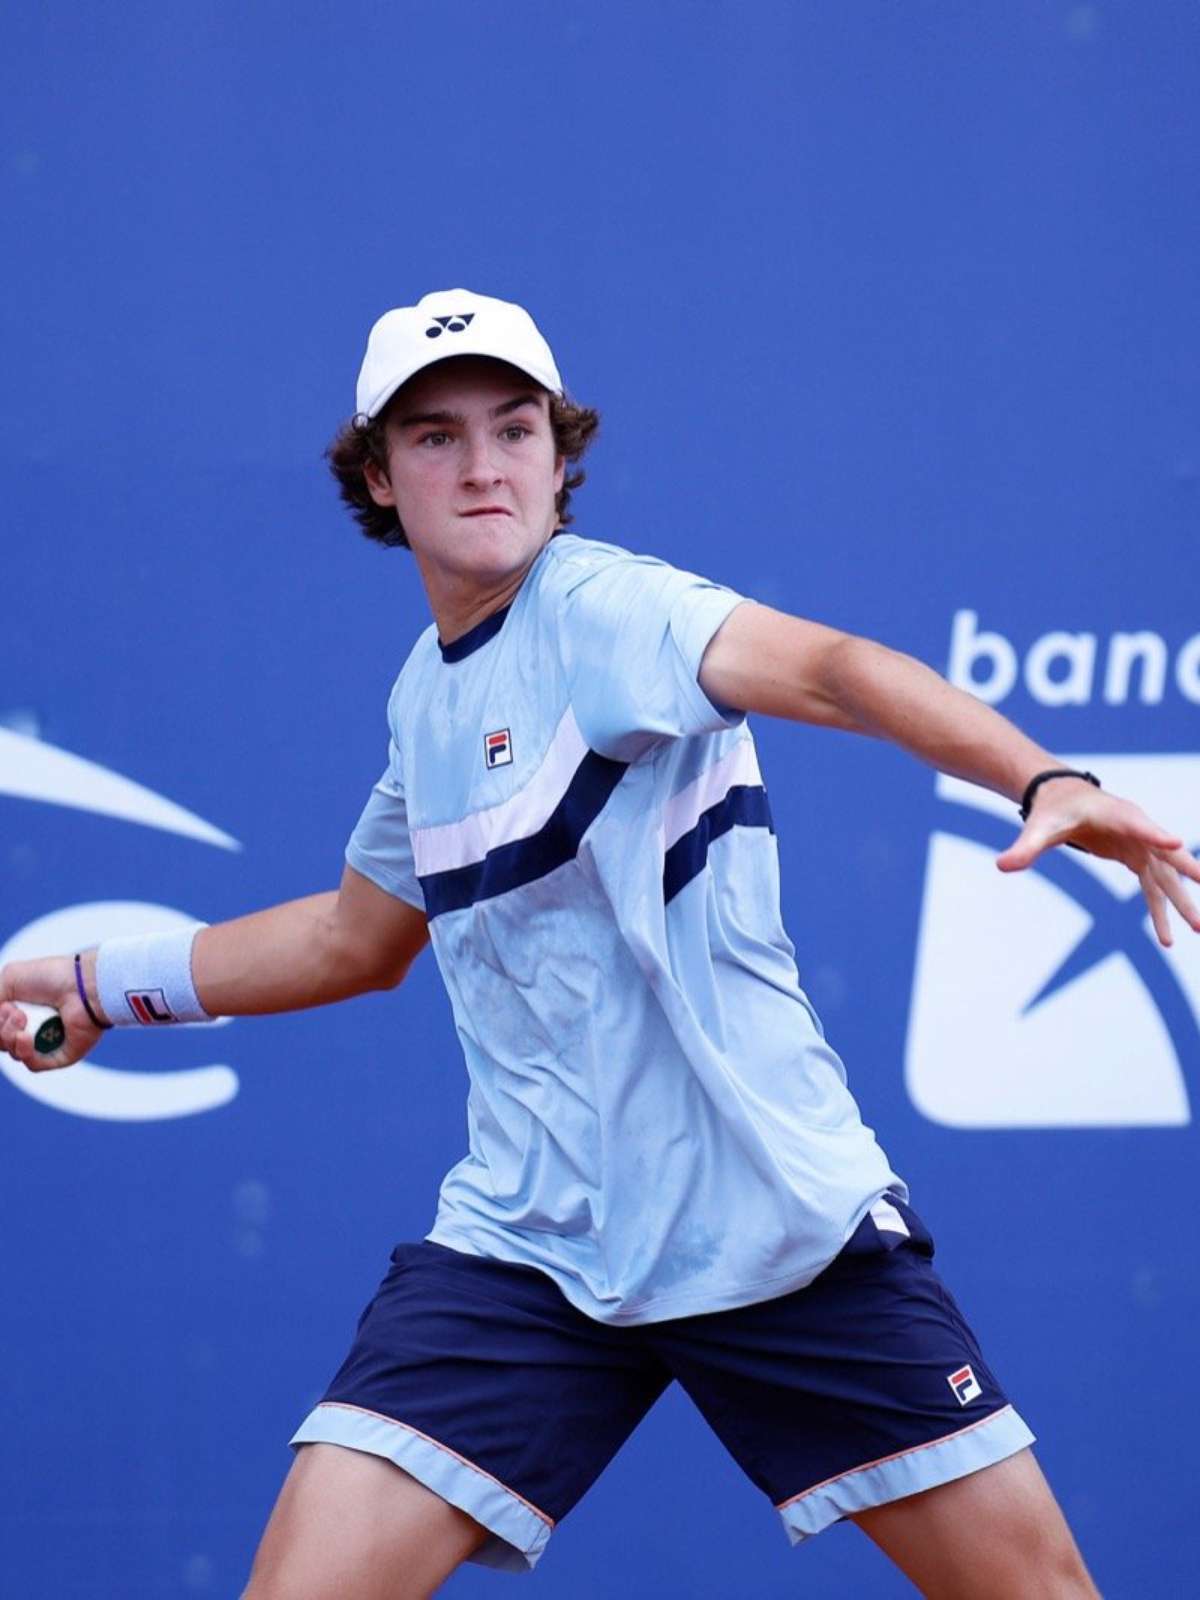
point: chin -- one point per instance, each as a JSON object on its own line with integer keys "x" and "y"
{"x": 497, "y": 550}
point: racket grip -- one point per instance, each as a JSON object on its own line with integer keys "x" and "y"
{"x": 46, "y": 1026}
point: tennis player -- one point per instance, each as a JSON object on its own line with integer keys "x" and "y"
{"x": 666, "y": 1176}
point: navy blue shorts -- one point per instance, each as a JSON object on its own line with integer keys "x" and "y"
{"x": 483, "y": 1382}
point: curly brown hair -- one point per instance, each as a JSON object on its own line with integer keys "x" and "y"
{"x": 354, "y": 446}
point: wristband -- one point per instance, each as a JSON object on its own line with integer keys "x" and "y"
{"x": 147, "y": 979}
{"x": 83, "y": 994}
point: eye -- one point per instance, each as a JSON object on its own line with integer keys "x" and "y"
{"x": 437, "y": 438}
{"x": 516, "y": 430}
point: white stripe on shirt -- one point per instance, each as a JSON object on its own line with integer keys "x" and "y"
{"x": 683, "y": 810}
{"x": 459, "y": 844}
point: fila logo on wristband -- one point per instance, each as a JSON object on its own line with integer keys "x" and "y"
{"x": 149, "y": 1006}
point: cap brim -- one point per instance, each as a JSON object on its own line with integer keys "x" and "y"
{"x": 548, "y": 381}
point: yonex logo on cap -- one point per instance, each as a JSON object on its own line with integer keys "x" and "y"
{"x": 965, "y": 1385}
{"x": 454, "y": 324}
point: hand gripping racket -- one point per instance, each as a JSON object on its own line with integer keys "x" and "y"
{"x": 49, "y": 1032}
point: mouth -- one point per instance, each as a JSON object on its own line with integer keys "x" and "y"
{"x": 487, "y": 511}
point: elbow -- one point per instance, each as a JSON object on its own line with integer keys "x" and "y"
{"x": 374, "y": 968}
{"x": 364, "y": 965}
{"x": 848, "y": 662}
{"x": 388, "y": 974}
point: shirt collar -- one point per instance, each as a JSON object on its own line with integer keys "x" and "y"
{"x": 470, "y": 641}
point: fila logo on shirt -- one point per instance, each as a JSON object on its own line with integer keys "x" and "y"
{"x": 497, "y": 749}
{"x": 965, "y": 1385}
{"x": 1042, "y": 999}
{"x": 441, "y": 325}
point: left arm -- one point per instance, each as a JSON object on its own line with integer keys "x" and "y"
{"x": 764, "y": 661}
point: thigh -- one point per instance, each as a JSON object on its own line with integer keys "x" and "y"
{"x": 995, "y": 1535}
{"x": 480, "y": 1380}
{"x": 347, "y": 1523}
{"x": 863, "y": 1387}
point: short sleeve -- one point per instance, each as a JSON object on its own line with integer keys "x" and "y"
{"x": 634, "y": 631}
{"x": 380, "y": 847}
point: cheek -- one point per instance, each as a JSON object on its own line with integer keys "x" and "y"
{"x": 419, "y": 484}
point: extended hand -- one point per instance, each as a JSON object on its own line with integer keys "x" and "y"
{"x": 1072, "y": 810}
{"x": 50, "y": 982}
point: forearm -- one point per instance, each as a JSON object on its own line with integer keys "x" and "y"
{"x": 893, "y": 696}
{"x": 287, "y": 958}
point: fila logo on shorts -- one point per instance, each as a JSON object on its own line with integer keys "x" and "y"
{"x": 497, "y": 749}
{"x": 441, "y": 325}
{"x": 965, "y": 1385}
{"x": 149, "y": 1005}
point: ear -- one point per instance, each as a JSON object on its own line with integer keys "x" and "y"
{"x": 379, "y": 485}
{"x": 560, "y": 472}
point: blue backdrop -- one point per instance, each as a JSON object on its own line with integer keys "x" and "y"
{"x": 890, "y": 314}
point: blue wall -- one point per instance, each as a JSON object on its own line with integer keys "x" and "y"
{"x": 890, "y": 314}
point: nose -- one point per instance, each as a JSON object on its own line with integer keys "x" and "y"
{"x": 479, "y": 468}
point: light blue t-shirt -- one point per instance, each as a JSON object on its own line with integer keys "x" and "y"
{"x": 655, "y": 1119}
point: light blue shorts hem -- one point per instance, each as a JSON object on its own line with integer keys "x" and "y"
{"x": 981, "y": 1444}
{"x": 519, "y": 1531}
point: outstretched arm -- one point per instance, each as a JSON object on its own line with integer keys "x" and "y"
{"x": 762, "y": 660}
{"x": 306, "y": 953}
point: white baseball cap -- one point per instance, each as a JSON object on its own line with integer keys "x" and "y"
{"x": 449, "y": 322}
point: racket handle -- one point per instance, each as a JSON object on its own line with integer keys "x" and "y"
{"x": 46, "y": 1027}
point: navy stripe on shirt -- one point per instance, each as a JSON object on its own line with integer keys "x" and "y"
{"x": 745, "y": 806}
{"x": 556, "y": 842}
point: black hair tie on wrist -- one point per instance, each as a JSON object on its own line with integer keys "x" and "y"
{"x": 1057, "y": 772}
{"x": 1031, "y": 790}
{"x": 82, "y": 987}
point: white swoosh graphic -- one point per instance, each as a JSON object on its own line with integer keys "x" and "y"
{"x": 33, "y": 770}
{"x": 114, "y": 1095}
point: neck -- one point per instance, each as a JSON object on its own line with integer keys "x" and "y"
{"x": 460, "y": 602}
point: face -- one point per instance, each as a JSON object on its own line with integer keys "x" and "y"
{"x": 472, "y": 472}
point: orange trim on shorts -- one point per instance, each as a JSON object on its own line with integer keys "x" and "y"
{"x": 342, "y": 1405}
{"x": 895, "y": 1456}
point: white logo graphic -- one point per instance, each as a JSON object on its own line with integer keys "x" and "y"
{"x": 32, "y": 770}
{"x": 1042, "y": 999}
{"x": 1072, "y": 669}
{"x": 35, "y": 771}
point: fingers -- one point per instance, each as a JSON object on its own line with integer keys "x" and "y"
{"x": 1167, "y": 880}
{"x": 1158, "y": 840}
{"x": 17, "y": 1038}
{"x": 1157, "y": 901}
{"x": 13, "y": 1022}
{"x": 1027, "y": 847}
{"x": 1185, "y": 863}
{"x": 1159, "y": 859}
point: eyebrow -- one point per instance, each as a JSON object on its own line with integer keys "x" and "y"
{"x": 456, "y": 419}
